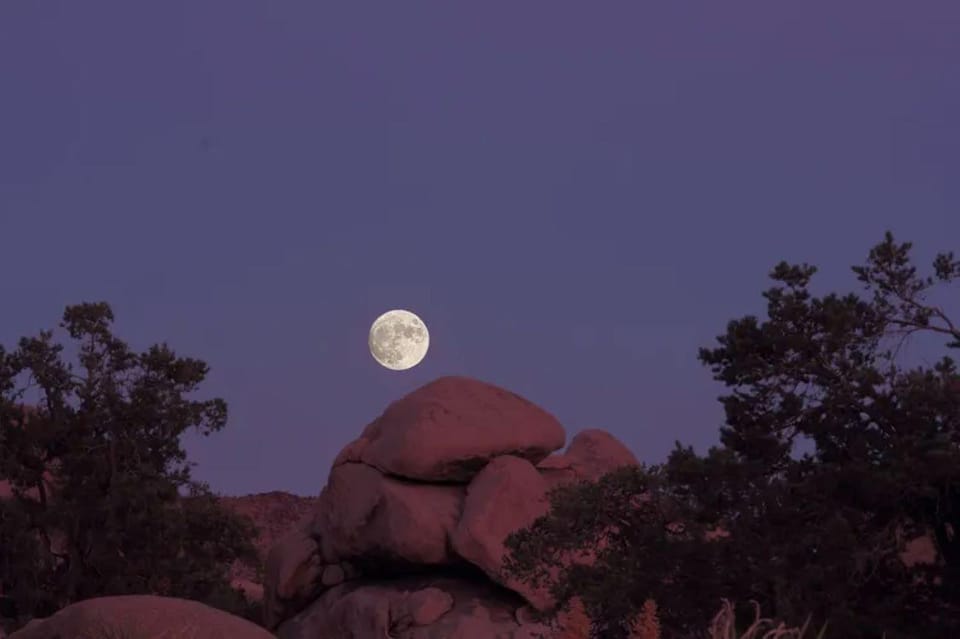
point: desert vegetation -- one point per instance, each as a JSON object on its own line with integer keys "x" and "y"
{"x": 808, "y": 535}
{"x": 100, "y": 498}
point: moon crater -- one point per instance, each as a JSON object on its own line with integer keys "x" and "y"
{"x": 399, "y": 340}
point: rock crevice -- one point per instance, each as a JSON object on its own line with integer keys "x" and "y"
{"x": 407, "y": 537}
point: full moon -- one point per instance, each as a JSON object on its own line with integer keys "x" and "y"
{"x": 399, "y": 340}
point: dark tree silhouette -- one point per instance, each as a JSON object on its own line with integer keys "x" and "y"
{"x": 817, "y": 534}
{"x": 102, "y": 497}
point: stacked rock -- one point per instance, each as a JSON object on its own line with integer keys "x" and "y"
{"x": 407, "y": 540}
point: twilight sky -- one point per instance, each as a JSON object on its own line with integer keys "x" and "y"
{"x": 574, "y": 197}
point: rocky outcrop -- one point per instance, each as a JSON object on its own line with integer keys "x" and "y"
{"x": 450, "y": 428}
{"x": 364, "y": 513}
{"x": 407, "y": 537}
{"x": 421, "y": 607}
{"x": 273, "y": 514}
{"x": 141, "y": 616}
{"x": 507, "y": 495}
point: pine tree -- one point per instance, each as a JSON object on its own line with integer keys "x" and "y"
{"x": 816, "y": 534}
{"x": 103, "y": 500}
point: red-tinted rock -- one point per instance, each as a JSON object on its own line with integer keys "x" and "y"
{"x": 437, "y": 482}
{"x": 364, "y": 513}
{"x": 141, "y": 616}
{"x": 292, "y": 570}
{"x": 449, "y": 429}
{"x": 407, "y": 608}
{"x": 504, "y": 497}
{"x": 592, "y": 453}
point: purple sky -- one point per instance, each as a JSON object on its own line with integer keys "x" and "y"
{"x": 574, "y": 199}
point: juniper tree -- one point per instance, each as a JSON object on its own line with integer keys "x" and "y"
{"x": 814, "y": 533}
{"x": 103, "y": 499}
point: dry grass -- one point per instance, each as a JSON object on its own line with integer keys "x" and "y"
{"x": 647, "y": 623}
{"x": 576, "y": 624}
{"x": 724, "y": 627}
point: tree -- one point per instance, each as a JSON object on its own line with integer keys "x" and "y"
{"x": 102, "y": 496}
{"x": 813, "y": 534}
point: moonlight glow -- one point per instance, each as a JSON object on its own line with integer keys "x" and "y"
{"x": 399, "y": 340}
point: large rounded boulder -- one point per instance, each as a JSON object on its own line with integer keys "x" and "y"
{"x": 143, "y": 617}
{"x": 408, "y": 537}
{"x": 449, "y": 429}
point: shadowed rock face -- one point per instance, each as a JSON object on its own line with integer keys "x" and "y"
{"x": 273, "y": 514}
{"x": 423, "y": 607}
{"x": 407, "y": 537}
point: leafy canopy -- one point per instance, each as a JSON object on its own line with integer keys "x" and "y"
{"x": 102, "y": 496}
{"x": 814, "y": 534}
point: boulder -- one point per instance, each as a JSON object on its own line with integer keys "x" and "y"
{"x": 252, "y": 590}
{"x": 591, "y": 454}
{"x": 407, "y": 539}
{"x": 507, "y": 495}
{"x": 274, "y": 514}
{"x": 143, "y": 617}
{"x": 450, "y": 428}
{"x": 290, "y": 574}
{"x": 364, "y": 513}
{"x": 423, "y": 607}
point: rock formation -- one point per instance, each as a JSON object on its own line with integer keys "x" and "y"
{"x": 407, "y": 538}
{"x": 141, "y": 616}
{"x": 273, "y": 514}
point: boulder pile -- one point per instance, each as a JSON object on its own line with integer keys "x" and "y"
{"x": 407, "y": 538}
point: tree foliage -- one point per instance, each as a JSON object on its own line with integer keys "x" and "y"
{"x": 103, "y": 500}
{"x": 814, "y": 534}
